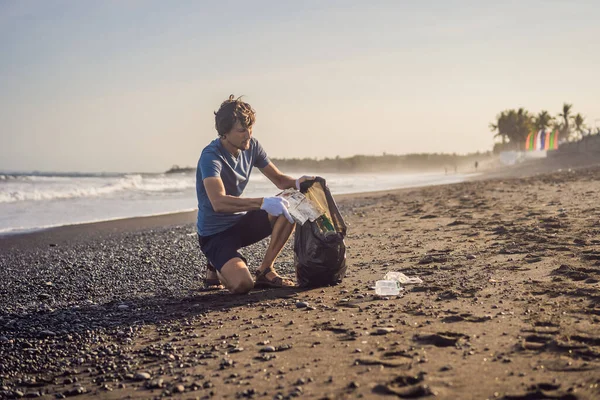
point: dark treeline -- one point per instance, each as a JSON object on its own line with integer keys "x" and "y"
{"x": 387, "y": 162}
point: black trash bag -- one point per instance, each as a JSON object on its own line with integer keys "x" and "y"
{"x": 319, "y": 258}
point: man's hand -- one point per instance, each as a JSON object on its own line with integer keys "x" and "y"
{"x": 302, "y": 179}
{"x": 277, "y": 206}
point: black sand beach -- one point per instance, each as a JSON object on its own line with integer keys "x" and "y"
{"x": 509, "y": 307}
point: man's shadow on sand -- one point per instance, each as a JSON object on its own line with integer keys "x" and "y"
{"x": 118, "y": 315}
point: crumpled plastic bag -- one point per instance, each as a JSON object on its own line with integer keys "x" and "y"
{"x": 402, "y": 278}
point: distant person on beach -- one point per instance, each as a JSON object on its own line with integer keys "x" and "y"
{"x": 226, "y": 221}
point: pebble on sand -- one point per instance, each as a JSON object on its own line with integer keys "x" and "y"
{"x": 142, "y": 376}
{"x": 155, "y": 383}
{"x": 179, "y": 388}
{"x": 382, "y": 331}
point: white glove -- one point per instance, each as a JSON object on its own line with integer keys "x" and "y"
{"x": 277, "y": 206}
{"x": 303, "y": 178}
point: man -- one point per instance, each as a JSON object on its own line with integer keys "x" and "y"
{"x": 228, "y": 222}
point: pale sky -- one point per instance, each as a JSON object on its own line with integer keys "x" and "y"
{"x": 131, "y": 86}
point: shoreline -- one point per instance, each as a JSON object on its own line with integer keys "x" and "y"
{"x": 26, "y": 231}
{"x": 76, "y": 232}
{"x": 156, "y": 219}
{"x": 523, "y": 170}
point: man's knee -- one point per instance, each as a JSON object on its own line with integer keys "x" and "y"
{"x": 236, "y": 276}
{"x": 274, "y": 219}
{"x": 242, "y": 287}
{"x": 284, "y": 218}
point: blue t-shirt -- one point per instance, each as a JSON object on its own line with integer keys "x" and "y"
{"x": 215, "y": 160}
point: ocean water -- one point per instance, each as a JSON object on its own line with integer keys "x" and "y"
{"x": 37, "y": 201}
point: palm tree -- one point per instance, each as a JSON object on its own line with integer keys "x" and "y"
{"x": 512, "y": 126}
{"x": 579, "y": 120}
{"x": 503, "y": 136}
{"x": 500, "y": 126}
{"x": 565, "y": 115}
{"x": 557, "y": 125}
{"x": 523, "y": 124}
{"x": 542, "y": 120}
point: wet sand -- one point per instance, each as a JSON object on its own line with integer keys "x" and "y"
{"x": 509, "y": 307}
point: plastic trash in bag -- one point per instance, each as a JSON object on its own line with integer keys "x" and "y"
{"x": 319, "y": 248}
{"x": 300, "y": 208}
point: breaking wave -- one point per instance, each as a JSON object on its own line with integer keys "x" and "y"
{"x": 45, "y": 188}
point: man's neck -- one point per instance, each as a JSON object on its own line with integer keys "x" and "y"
{"x": 234, "y": 151}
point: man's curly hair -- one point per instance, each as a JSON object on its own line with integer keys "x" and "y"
{"x": 231, "y": 111}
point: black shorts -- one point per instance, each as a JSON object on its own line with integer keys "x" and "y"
{"x": 221, "y": 247}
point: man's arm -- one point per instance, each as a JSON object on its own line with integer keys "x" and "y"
{"x": 281, "y": 180}
{"x": 223, "y": 203}
{"x": 277, "y": 177}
